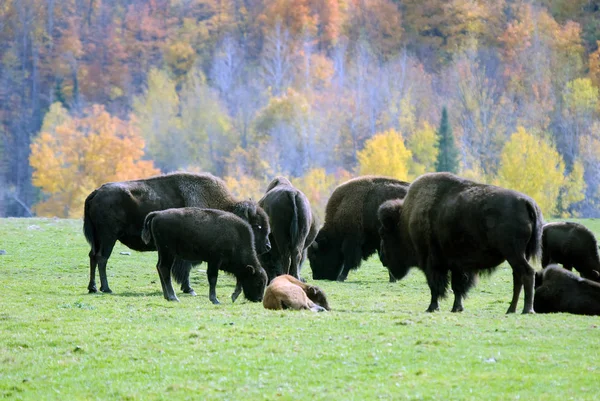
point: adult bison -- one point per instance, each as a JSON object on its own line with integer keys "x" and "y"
{"x": 447, "y": 224}
{"x": 572, "y": 245}
{"x": 350, "y": 232}
{"x": 559, "y": 290}
{"x": 287, "y": 292}
{"x": 222, "y": 239}
{"x": 292, "y": 225}
{"x": 116, "y": 211}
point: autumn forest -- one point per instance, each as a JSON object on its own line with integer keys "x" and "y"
{"x": 317, "y": 90}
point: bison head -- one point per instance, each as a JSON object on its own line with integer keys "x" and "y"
{"x": 253, "y": 281}
{"x": 326, "y": 258}
{"x": 258, "y": 220}
{"x": 317, "y": 295}
{"x": 390, "y": 249}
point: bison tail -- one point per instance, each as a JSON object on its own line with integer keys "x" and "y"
{"x": 88, "y": 225}
{"x": 294, "y": 224}
{"x": 147, "y": 230}
{"x": 534, "y": 247}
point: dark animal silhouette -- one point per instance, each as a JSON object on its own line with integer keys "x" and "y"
{"x": 222, "y": 239}
{"x": 350, "y": 232}
{"x": 572, "y": 245}
{"x": 287, "y": 292}
{"x": 292, "y": 225}
{"x": 559, "y": 290}
{"x": 447, "y": 224}
{"x": 116, "y": 211}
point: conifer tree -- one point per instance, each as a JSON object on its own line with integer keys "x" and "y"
{"x": 447, "y": 159}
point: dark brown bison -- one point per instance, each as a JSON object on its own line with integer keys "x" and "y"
{"x": 572, "y": 245}
{"x": 447, "y": 224}
{"x": 222, "y": 239}
{"x": 287, "y": 292}
{"x": 116, "y": 211}
{"x": 350, "y": 232}
{"x": 559, "y": 290}
{"x": 292, "y": 225}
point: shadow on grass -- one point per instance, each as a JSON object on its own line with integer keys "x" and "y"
{"x": 129, "y": 294}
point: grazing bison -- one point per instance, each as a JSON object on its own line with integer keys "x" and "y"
{"x": 222, "y": 239}
{"x": 350, "y": 233}
{"x": 116, "y": 211}
{"x": 572, "y": 245}
{"x": 447, "y": 224}
{"x": 559, "y": 290}
{"x": 287, "y": 292}
{"x": 292, "y": 226}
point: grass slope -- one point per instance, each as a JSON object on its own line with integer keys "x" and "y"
{"x": 58, "y": 342}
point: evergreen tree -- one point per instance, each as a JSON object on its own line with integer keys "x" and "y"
{"x": 447, "y": 159}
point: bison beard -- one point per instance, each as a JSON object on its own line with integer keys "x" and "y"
{"x": 447, "y": 225}
{"x": 292, "y": 226}
{"x": 559, "y": 290}
{"x": 221, "y": 239}
{"x": 116, "y": 211}
{"x": 287, "y": 292}
{"x": 350, "y": 233}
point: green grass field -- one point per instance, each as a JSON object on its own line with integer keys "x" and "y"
{"x": 57, "y": 342}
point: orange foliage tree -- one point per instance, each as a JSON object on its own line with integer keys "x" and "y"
{"x": 76, "y": 156}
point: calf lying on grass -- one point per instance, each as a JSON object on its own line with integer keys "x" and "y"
{"x": 222, "y": 239}
{"x": 287, "y": 292}
{"x": 559, "y": 290}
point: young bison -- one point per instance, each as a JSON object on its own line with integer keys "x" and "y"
{"x": 116, "y": 211}
{"x": 287, "y": 292}
{"x": 221, "y": 239}
{"x": 447, "y": 225}
{"x": 572, "y": 245}
{"x": 350, "y": 233}
{"x": 559, "y": 290}
{"x": 292, "y": 226}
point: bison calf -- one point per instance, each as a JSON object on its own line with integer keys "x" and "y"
{"x": 572, "y": 245}
{"x": 222, "y": 239}
{"x": 559, "y": 290}
{"x": 292, "y": 225}
{"x": 287, "y": 292}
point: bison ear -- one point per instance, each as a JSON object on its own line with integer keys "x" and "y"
{"x": 313, "y": 290}
{"x": 250, "y": 269}
{"x": 596, "y": 274}
{"x": 389, "y": 213}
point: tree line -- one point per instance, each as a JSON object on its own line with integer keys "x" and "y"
{"x": 320, "y": 91}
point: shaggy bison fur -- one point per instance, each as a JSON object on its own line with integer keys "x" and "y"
{"x": 449, "y": 225}
{"x": 222, "y": 239}
{"x": 287, "y": 292}
{"x": 116, "y": 211}
{"x": 350, "y": 232}
{"x": 292, "y": 225}
{"x": 559, "y": 290}
{"x": 572, "y": 245}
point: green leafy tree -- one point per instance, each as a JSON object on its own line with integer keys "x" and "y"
{"x": 447, "y": 158}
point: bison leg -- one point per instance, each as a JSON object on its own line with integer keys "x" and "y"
{"x": 523, "y": 276}
{"x": 181, "y": 273}
{"x": 102, "y": 259}
{"x": 93, "y": 263}
{"x": 165, "y": 262}
{"x": 296, "y": 259}
{"x": 461, "y": 283}
{"x": 352, "y": 257}
{"x": 212, "y": 272}
{"x": 437, "y": 279}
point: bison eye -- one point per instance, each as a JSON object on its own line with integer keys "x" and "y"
{"x": 258, "y": 226}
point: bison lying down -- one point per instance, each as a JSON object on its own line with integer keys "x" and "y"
{"x": 350, "y": 233}
{"x": 196, "y": 235}
{"x": 292, "y": 226}
{"x": 447, "y": 224}
{"x": 287, "y": 292}
{"x": 572, "y": 245}
{"x": 116, "y": 211}
{"x": 559, "y": 290}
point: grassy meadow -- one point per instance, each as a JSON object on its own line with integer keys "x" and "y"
{"x": 57, "y": 342}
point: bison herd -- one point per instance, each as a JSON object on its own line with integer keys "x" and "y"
{"x": 451, "y": 228}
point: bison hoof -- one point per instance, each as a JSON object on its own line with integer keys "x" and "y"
{"x": 215, "y": 301}
{"x": 173, "y": 299}
{"x": 528, "y": 311}
{"x": 106, "y": 290}
{"x": 191, "y": 292}
{"x": 460, "y": 309}
{"x": 433, "y": 309}
{"x": 92, "y": 290}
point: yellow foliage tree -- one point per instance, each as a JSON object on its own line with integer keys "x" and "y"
{"x": 78, "y": 155}
{"x": 385, "y": 154}
{"x": 534, "y": 167}
{"x": 317, "y": 185}
{"x": 423, "y": 145}
{"x": 245, "y": 186}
